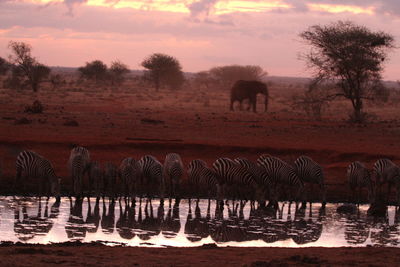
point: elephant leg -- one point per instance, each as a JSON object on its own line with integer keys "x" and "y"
{"x": 253, "y": 101}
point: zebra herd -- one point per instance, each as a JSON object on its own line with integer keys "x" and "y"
{"x": 268, "y": 178}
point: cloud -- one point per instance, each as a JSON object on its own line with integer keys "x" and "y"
{"x": 71, "y": 4}
{"x": 201, "y": 8}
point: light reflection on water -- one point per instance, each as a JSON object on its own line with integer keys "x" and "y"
{"x": 28, "y": 220}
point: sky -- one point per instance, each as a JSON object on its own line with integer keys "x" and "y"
{"x": 200, "y": 33}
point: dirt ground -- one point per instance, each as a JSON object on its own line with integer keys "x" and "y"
{"x": 97, "y": 255}
{"x": 134, "y": 121}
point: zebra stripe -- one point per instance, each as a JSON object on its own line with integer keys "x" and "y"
{"x": 110, "y": 179}
{"x": 96, "y": 176}
{"x": 129, "y": 172}
{"x": 202, "y": 177}
{"x": 234, "y": 176}
{"x": 79, "y": 163}
{"x": 386, "y": 171}
{"x": 310, "y": 172}
{"x": 173, "y": 172}
{"x": 152, "y": 176}
{"x": 278, "y": 172}
{"x": 254, "y": 169}
{"x": 31, "y": 165}
{"x": 359, "y": 176}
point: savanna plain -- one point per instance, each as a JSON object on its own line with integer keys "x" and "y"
{"x": 135, "y": 120}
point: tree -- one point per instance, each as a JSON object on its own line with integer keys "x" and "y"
{"x": 117, "y": 72}
{"x": 204, "y": 79}
{"x": 228, "y": 75}
{"x": 95, "y": 71}
{"x": 4, "y": 66}
{"x": 26, "y": 70}
{"x": 352, "y": 57}
{"x": 163, "y": 69}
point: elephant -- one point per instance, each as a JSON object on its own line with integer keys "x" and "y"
{"x": 242, "y": 90}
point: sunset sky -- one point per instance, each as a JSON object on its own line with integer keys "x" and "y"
{"x": 200, "y": 33}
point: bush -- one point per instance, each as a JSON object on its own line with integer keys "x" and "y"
{"x": 36, "y": 108}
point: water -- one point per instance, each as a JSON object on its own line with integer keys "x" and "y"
{"x": 30, "y": 221}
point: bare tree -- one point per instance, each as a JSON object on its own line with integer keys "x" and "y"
{"x": 26, "y": 70}
{"x": 352, "y": 57}
{"x": 163, "y": 70}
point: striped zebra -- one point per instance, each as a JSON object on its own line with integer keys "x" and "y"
{"x": 311, "y": 173}
{"x": 152, "y": 182}
{"x": 31, "y": 165}
{"x": 358, "y": 177}
{"x": 386, "y": 171}
{"x": 129, "y": 172}
{"x": 278, "y": 173}
{"x": 110, "y": 180}
{"x": 96, "y": 178}
{"x": 256, "y": 171}
{"x": 79, "y": 161}
{"x": 234, "y": 177}
{"x": 202, "y": 178}
{"x": 173, "y": 172}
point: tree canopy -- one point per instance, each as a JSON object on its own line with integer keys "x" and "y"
{"x": 352, "y": 57}
{"x": 95, "y": 70}
{"x": 117, "y": 72}
{"x": 223, "y": 77}
{"x": 163, "y": 70}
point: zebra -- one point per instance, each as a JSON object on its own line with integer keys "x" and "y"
{"x": 173, "y": 172}
{"x": 79, "y": 161}
{"x": 129, "y": 172}
{"x": 96, "y": 178}
{"x": 279, "y": 173}
{"x": 257, "y": 173}
{"x": 31, "y": 165}
{"x": 386, "y": 171}
{"x": 201, "y": 177}
{"x": 311, "y": 173}
{"x": 233, "y": 176}
{"x": 110, "y": 180}
{"x": 358, "y": 177}
{"x": 152, "y": 180}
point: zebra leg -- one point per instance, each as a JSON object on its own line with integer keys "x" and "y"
{"x": 323, "y": 195}
{"x": 389, "y": 189}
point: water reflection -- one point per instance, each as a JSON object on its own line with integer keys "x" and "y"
{"x": 185, "y": 223}
{"x": 26, "y": 226}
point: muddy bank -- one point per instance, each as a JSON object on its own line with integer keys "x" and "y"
{"x": 75, "y": 254}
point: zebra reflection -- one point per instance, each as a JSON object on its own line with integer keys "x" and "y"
{"x": 75, "y": 227}
{"x": 172, "y": 223}
{"x": 27, "y": 227}
{"x": 126, "y": 221}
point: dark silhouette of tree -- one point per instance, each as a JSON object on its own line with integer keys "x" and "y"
{"x": 26, "y": 70}
{"x": 117, "y": 72}
{"x": 4, "y": 66}
{"x": 228, "y": 75}
{"x": 94, "y": 71}
{"x": 352, "y": 57}
{"x": 163, "y": 70}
